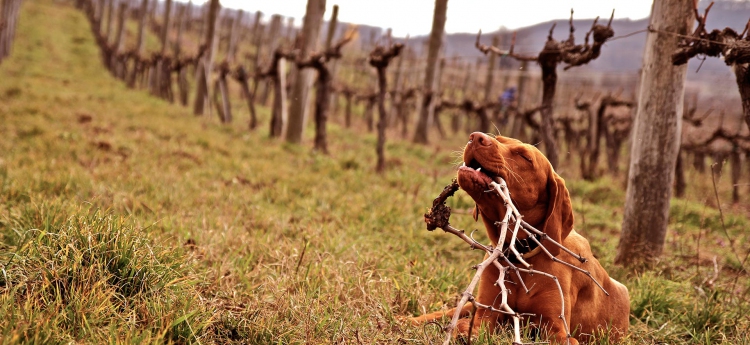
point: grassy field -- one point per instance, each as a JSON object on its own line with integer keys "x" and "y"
{"x": 124, "y": 219}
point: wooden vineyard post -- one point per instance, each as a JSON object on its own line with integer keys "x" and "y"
{"x": 458, "y": 118}
{"x": 380, "y": 58}
{"x": 301, "y": 86}
{"x": 277, "y": 73}
{"x": 318, "y": 62}
{"x": 657, "y": 130}
{"x": 348, "y": 94}
{"x": 438, "y": 95}
{"x": 137, "y": 67}
{"x": 736, "y": 165}
{"x": 274, "y": 33}
{"x": 516, "y": 123}
{"x": 421, "y": 134}
{"x": 165, "y": 26}
{"x": 489, "y": 81}
{"x": 222, "y": 88}
{"x": 396, "y": 99}
{"x": 100, "y": 16}
{"x": 119, "y": 40}
{"x": 242, "y": 77}
{"x": 680, "y": 184}
{"x": 332, "y": 26}
{"x": 161, "y": 72}
{"x": 110, "y": 12}
{"x": 258, "y": 37}
{"x": 280, "y": 100}
{"x": 290, "y": 31}
{"x": 234, "y": 36}
{"x": 9, "y": 10}
{"x": 182, "y": 82}
{"x": 369, "y": 99}
{"x": 205, "y": 65}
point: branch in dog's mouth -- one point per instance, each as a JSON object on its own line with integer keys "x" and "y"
{"x": 439, "y": 216}
{"x": 474, "y": 164}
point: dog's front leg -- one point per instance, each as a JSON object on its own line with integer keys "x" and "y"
{"x": 438, "y": 315}
{"x": 547, "y": 317}
{"x": 487, "y": 294}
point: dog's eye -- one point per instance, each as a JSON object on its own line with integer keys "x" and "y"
{"x": 525, "y": 156}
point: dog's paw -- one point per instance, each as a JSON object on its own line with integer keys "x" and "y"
{"x": 410, "y": 320}
{"x": 462, "y": 329}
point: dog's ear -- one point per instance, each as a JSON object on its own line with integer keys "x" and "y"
{"x": 475, "y": 214}
{"x": 559, "y": 221}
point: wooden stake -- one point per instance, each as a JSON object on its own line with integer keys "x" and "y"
{"x": 421, "y": 135}
{"x": 301, "y": 86}
{"x": 203, "y": 72}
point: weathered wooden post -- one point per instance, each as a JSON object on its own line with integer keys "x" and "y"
{"x": 348, "y": 94}
{"x": 137, "y": 67}
{"x": 298, "y": 107}
{"x": 380, "y": 58}
{"x": 421, "y": 134}
{"x": 110, "y": 12}
{"x": 225, "y": 108}
{"x": 280, "y": 113}
{"x": 290, "y": 31}
{"x": 234, "y": 36}
{"x": 680, "y": 184}
{"x": 242, "y": 76}
{"x": 100, "y": 16}
{"x": 490, "y": 79}
{"x": 656, "y": 134}
{"x": 369, "y": 99}
{"x": 165, "y": 26}
{"x": 736, "y": 163}
{"x": 182, "y": 82}
{"x": 9, "y": 10}
{"x": 332, "y": 25}
{"x": 163, "y": 74}
{"x": 438, "y": 96}
{"x": 318, "y": 61}
{"x": 119, "y": 40}
{"x": 395, "y": 100}
{"x": 203, "y": 71}
{"x": 457, "y": 118}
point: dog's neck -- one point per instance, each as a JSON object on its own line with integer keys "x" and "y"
{"x": 527, "y": 247}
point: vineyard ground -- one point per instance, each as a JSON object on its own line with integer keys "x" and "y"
{"x": 124, "y": 219}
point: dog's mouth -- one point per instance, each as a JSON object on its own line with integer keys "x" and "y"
{"x": 474, "y": 164}
{"x": 475, "y": 169}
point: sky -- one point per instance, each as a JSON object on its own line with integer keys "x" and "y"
{"x": 414, "y": 17}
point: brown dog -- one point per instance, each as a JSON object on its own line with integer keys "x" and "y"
{"x": 541, "y": 197}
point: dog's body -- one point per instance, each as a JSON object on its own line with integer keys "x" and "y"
{"x": 541, "y": 197}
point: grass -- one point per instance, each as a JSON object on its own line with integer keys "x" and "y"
{"x": 124, "y": 219}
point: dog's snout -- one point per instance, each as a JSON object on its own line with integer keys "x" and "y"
{"x": 480, "y": 138}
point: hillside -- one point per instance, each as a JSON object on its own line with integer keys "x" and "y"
{"x": 619, "y": 56}
{"x": 126, "y": 219}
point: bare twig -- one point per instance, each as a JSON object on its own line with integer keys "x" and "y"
{"x": 439, "y": 216}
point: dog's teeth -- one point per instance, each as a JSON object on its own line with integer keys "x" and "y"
{"x": 463, "y": 164}
{"x": 479, "y": 169}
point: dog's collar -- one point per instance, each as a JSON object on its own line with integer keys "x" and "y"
{"x": 527, "y": 247}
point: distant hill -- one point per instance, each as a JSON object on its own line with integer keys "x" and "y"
{"x": 621, "y": 55}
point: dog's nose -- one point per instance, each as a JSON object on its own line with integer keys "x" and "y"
{"x": 480, "y": 138}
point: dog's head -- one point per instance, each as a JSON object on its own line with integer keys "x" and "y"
{"x": 535, "y": 188}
